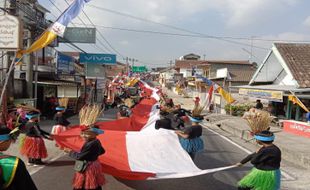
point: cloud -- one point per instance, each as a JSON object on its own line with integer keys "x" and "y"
{"x": 218, "y": 17}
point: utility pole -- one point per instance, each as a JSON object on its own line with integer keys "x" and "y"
{"x": 29, "y": 68}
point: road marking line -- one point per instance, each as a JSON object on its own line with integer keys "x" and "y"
{"x": 287, "y": 177}
{"x": 51, "y": 160}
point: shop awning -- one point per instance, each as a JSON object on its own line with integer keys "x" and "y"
{"x": 58, "y": 83}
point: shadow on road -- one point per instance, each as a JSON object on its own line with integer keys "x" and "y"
{"x": 60, "y": 163}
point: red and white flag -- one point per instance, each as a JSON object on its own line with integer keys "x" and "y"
{"x": 135, "y": 149}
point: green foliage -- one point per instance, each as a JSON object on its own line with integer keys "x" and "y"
{"x": 237, "y": 110}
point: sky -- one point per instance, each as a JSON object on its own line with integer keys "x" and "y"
{"x": 213, "y": 29}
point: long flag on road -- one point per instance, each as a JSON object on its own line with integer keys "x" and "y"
{"x": 57, "y": 28}
{"x": 135, "y": 149}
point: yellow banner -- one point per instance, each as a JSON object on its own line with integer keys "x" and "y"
{"x": 295, "y": 100}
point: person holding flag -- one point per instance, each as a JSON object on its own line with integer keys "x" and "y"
{"x": 266, "y": 160}
{"x": 13, "y": 172}
{"x": 34, "y": 147}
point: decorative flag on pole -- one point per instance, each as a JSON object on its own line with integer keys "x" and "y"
{"x": 229, "y": 99}
{"x": 207, "y": 102}
{"x": 296, "y": 100}
{"x": 57, "y": 28}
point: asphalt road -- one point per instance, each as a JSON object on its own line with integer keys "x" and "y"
{"x": 218, "y": 152}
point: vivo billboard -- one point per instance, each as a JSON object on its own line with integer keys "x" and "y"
{"x": 97, "y": 58}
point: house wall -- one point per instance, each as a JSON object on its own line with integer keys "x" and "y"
{"x": 215, "y": 67}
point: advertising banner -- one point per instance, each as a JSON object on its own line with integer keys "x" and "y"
{"x": 276, "y": 96}
{"x": 98, "y": 58}
{"x": 297, "y": 128}
{"x": 79, "y": 35}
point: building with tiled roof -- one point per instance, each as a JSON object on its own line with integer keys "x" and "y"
{"x": 284, "y": 72}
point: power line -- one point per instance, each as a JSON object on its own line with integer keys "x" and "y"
{"x": 86, "y": 26}
{"x": 73, "y": 24}
{"x": 103, "y": 36}
{"x": 174, "y": 27}
{"x": 189, "y": 35}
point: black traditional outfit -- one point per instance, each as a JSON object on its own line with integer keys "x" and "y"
{"x": 61, "y": 123}
{"x": 266, "y": 174}
{"x": 92, "y": 178}
{"x": 33, "y": 146}
{"x": 164, "y": 123}
{"x": 180, "y": 117}
{"x": 193, "y": 143}
{"x": 13, "y": 172}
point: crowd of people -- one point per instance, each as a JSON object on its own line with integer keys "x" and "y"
{"x": 185, "y": 123}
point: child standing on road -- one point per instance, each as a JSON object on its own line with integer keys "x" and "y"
{"x": 266, "y": 174}
{"x": 33, "y": 146}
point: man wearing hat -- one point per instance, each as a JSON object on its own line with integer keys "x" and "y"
{"x": 13, "y": 172}
{"x": 34, "y": 147}
{"x": 266, "y": 173}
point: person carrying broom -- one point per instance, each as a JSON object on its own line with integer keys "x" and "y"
{"x": 88, "y": 175}
{"x": 266, "y": 173}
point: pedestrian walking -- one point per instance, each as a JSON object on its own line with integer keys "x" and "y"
{"x": 266, "y": 173}
{"x": 13, "y": 172}
{"x": 33, "y": 146}
{"x": 88, "y": 175}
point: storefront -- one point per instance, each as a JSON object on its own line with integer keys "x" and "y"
{"x": 49, "y": 92}
{"x": 277, "y": 98}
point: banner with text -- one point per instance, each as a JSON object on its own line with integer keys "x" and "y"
{"x": 276, "y": 96}
{"x": 102, "y": 59}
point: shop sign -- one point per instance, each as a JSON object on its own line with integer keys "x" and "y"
{"x": 94, "y": 71}
{"x": 98, "y": 58}
{"x": 276, "y": 96}
{"x": 10, "y": 33}
{"x": 297, "y": 128}
{"x": 79, "y": 35}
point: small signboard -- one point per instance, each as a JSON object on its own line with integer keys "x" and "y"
{"x": 94, "y": 71}
{"x": 297, "y": 128}
{"x": 139, "y": 69}
{"x": 10, "y": 33}
{"x": 79, "y": 35}
{"x": 65, "y": 64}
{"x": 98, "y": 58}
